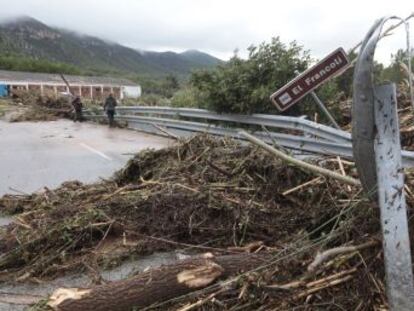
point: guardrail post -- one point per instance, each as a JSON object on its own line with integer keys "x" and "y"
{"x": 377, "y": 154}
{"x": 390, "y": 176}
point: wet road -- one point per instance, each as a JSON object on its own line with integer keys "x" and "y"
{"x": 34, "y": 155}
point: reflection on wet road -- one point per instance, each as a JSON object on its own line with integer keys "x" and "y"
{"x": 33, "y": 155}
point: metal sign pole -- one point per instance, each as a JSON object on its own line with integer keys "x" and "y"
{"x": 322, "y": 106}
{"x": 377, "y": 153}
{"x": 325, "y": 110}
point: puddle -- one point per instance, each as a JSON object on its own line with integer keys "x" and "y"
{"x": 5, "y": 220}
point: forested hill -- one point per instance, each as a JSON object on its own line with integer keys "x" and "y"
{"x": 26, "y": 37}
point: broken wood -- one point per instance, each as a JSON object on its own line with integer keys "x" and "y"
{"x": 326, "y": 255}
{"x": 155, "y": 285}
{"x": 299, "y": 163}
{"x": 304, "y": 185}
{"x": 342, "y": 169}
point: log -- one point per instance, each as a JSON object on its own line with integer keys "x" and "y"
{"x": 156, "y": 285}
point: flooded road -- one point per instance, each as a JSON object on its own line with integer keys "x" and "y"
{"x": 34, "y": 155}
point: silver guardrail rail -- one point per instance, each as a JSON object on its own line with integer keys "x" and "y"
{"x": 302, "y": 135}
{"x": 271, "y": 121}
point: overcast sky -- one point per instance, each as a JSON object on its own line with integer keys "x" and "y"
{"x": 219, "y": 26}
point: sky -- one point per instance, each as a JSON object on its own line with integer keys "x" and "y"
{"x": 219, "y": 27}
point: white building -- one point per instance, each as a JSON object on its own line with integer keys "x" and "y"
{"x": 87, "y": 87}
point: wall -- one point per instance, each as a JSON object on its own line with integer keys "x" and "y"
{"x": 131, "y": 91}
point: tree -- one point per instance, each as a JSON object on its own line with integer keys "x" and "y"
{"x": 22, "y": 63}
{"x": 244, "y": 86}
{"x": 171, "y": 82}
{"x": 393, "y": 71}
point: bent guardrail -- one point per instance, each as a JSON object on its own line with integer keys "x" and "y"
{"x": 167, "y": 121}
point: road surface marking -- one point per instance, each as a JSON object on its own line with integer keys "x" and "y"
{"x": 103, "y": 155}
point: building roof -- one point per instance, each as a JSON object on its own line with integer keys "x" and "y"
{"x": 45, "y": 78}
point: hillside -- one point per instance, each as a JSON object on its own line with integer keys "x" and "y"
{"x": 26, "y": 36}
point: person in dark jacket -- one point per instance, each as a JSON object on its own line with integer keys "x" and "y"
{"x": 77, "y": 106}
{"x": 109, "y": 107}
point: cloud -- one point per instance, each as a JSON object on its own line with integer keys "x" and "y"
{"x": 218, "y": 27}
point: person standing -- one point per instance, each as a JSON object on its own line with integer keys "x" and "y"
{"x": 109, "y": 107}
{"x": 77, "y": 106}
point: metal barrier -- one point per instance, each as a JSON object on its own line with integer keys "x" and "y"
{"x": 378, "y": 157}
{"x": 314, "y": 138}
{"x": 271, "y": 121}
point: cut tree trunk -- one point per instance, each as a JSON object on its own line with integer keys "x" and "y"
{"x": 155, "y": 285}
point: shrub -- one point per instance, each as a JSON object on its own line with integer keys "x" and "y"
{"x": 187, "y": 97}
{"x": 244, "y": 86}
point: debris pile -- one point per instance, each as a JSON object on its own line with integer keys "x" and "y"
{"x": 218, "y": 196}
{"x": 406, "y": 117}
{"x": 37, "y": 107}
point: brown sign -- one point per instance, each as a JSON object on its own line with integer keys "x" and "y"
{"x": 296, "y": 89}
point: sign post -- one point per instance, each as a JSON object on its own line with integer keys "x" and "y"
{"x": 309, "y": 80}
{"x": 322, "y": 107}
{"x": 377, "y": 153}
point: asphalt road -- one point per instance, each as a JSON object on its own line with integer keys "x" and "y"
{"x": 34, "y": 155}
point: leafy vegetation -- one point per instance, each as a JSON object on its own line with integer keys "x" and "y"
{"x": 21, "y": 63}
{"x": 393, "y": 72}
{"x": 165, "y": 87}
{"x": 244, "y": 86}
{"x": 187, "y": 97}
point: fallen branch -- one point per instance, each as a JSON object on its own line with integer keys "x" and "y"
{"x": 342, "y": 169}
{"x": 326, "y": 255}
{"x": 165, "y": 131}
{"x": 307, "y": 166}
{"x": 155, "y": 285}
{"x": 325, "y": 285}
{"x": 317, "y": 283}
{"x": 200, "y": 302}
{"x": 304, "y": 185}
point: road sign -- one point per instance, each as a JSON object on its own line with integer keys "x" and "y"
{"x": 296, "y": 89}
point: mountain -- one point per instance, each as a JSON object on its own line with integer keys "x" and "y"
{"x": 27, "y": 36}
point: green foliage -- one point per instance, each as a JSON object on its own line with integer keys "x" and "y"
{"x": 170, "y": 85}
{"x": 153, "y": 100}
{"x": 187, "y": 97}
{"x": 393, "y": 72}
{"x": 164, "y": 87}
{"x": 22, "y": 63}
{"x": 244, "y": 86}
